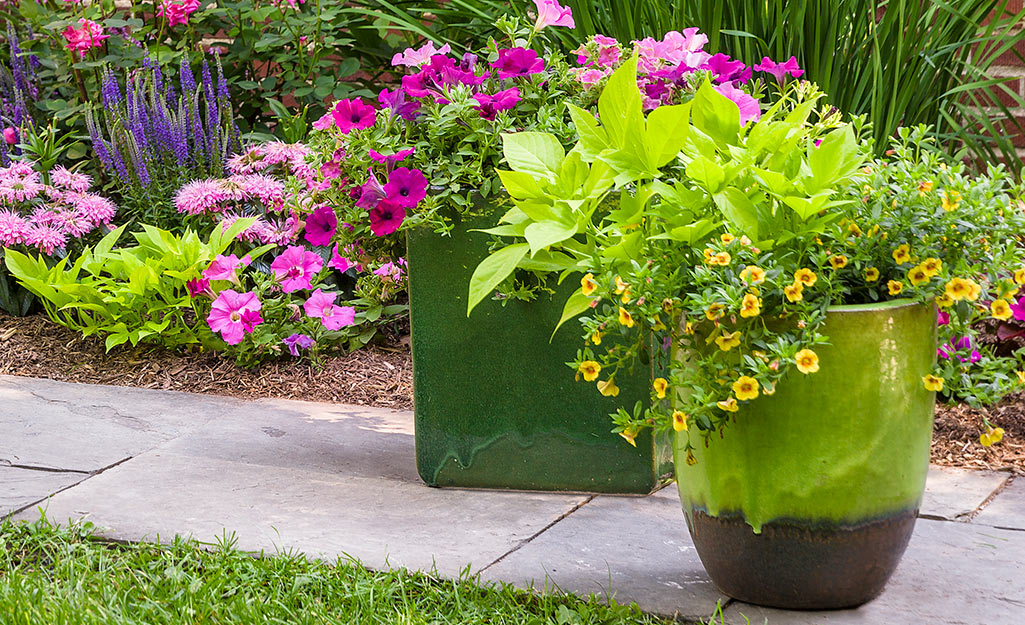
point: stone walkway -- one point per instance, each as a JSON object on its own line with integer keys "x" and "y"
{"x": 332, "y": 480}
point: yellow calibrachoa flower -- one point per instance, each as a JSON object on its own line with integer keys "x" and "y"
{"x": 805, "y": 276}
{"x": 944, "y": 301}
{"x": 991, "y": 437}
{"x": 853, "y": 230}
{"x": 807, "y": 361}
{"x": 933, "y": 383}
{"x": 931, "y": 266}
{"x": 715, "y": 311}
{"x": 902, "y": 254}
{"x": 925, "y": 186}
{"x": 917, "y": 275}
{"x": 871, "y": 274}
{"x": 794, "y": 292}
{"x": 751, "y": 306}
{"x": 957, "y": 289}
{"x": 608, "y": 387}
{"x": 1000, "y": 309}
{"x": 679, "y": 421}
{"x": 753, "y": 274}
{"x": 729, "y": 404}
{"x": 708, "y": 255}
{"x": 721, "y": 259}
{"x": 587, "y": 284}
{"x": 620, "y": 285}
{"x": 838, "y": 261}
{"x": 688, "y": 328}
{"x": 950, "y": 200}
{"x": 727, "y": 238}
{"x": 974, "y": 290}
{"x": 625, "y": 318}
{"x": 1019, "y": 276}
{"x": 1021, "y": 376}
{"x": 894, "y": 287}
{"x": 596, "y": 338}
{"x": 590, "y": 370}
{"x": 660, "y": 385}
{"x": 630, "y": 434}
{"x": 658, "y": 326}
{"x": 728, "y": 340}
{"x": 745, "y": 388}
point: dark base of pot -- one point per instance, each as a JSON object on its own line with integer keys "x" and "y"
{"x": 801, "y": 567}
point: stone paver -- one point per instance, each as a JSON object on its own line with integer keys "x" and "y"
{"x": 955, "y": 493}
{"x": 23, "y": 487}
{"x": 951, "y": 574}
{"x": 1007, "y": 509}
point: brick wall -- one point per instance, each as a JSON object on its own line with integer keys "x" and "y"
{"x": 1011, "y": 66}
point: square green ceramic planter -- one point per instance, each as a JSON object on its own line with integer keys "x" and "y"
{"x": 496, "y": 406}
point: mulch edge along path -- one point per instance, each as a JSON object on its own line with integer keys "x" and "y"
{"x": 379, "y": 375}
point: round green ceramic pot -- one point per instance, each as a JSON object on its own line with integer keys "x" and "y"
{"x": 809, "y": 498}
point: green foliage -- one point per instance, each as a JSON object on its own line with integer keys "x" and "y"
{"x": 130, "y": 294}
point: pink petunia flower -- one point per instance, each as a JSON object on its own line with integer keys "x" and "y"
{"x": 321, "y": 226}
{"x": 199, "y": 286}
{"x": 513, "y": 62}
{"x": 749, "y": 108}
{"x": 1018, "y": 309}
{"x": 386, "y": 217}
{"x": 726, "y": 69}
{"x": 551, "y": 13}
{"x": 780, "y": 70}
{"x": 322, "y": 306}
{"x": 353, "y": 114}
{"x": 226, "y": 267}
{"x": 295, "y": 342}
{"x": 234, "y": 315}
{"x": 87, "y": 36}
{"x": 295, "y": 268}
{"x": 406, "y": 187}
{"x": 417, "y": 57}
{"x": 342, "y": 263}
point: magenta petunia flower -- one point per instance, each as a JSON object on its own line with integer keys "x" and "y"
{"x": 234, "y": 315}
{"x": 295, "y": 268}
{"x": 199, "y": 286}
{"x": 490, "y": 105}
{"x": 513, "y": 62}
{"x": 322, "y": 306}
{"x": 370, "y": 193}
{"x": 353, "y": 115}
{"x": 396, "y": 102}
{"x": 295, "y": 342}
{"x": 780, "y": 70}
{"x": 749, "y": 108}
{"x": 386, "y": 217}
{"x": 943, "y": 318}
{"x": 551, "y": 13}
{"x": 727, "y": 69}
{"x": 226, "y": 267}
{"x": 321, "y": 226}
{"x": 406, "y": 187}
{"x": 391, "y": 159}
{"x": 1018, "y": 309}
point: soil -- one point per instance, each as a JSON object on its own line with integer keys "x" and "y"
{"x": 380, "y": 375}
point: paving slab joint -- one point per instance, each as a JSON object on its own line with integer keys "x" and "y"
{"x": 87, "y": 474}
{"x": 985, "y": 502}
{"x": 544, "y": 529}
{"x": 27, "y": 467}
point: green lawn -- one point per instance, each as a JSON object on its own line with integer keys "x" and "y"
{"x": 55, "y": 576}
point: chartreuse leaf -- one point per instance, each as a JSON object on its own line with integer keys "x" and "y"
{"x": 540, "y": 235}
{"x": 537, "y": 153}
{"x": 492, "y": 271}
{"x": 666, "y": 132}
{"x": 715, "y": 115}
{"x": 738, "y": 210}
{"x": 619, "y": 106}
{"x": 835, "y": 158}
{"x": 707, "y": 173}
{"x": 520, "y": 185}
{"x": 575, "y": 305}
{"x": 593, "y": 138}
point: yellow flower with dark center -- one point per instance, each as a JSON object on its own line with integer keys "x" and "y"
{"x": 729, "y": 404}
{"x": 925, "y": 186}
{"x": 679, "y": 421}
{"x": 590, "y": 370}
{"x": 944, "y": 301}
{"x": 874, "y": 230}
{"x": 625, "y": 318}
{"x": 753, "y": 274}
{"x": 807, "y": 361}
{"x": 838, "y": 261}
{"x": 658, "y": 326}
{"x": 794, "y": 292}
{"x": 608, "y": 387}
{"x": 596, "y": 338}
{"x": 751, "y": 306}
{"x": 727, "y": 238}
{"x": 853, "y": 230}
{"x": 991, "y": 437}
{"x": 957, "y": 289}
{"x": 660, "y": 385}
{"x": 871, "y": 274}
{"x": 917, "y": 275}
{"x": 745, "y": 388}
{"x": 691, "y": 460}
{"x": 728, "y": 340}
{"x": 620, "y": 285}
{"x": 805, "y": 276}
{"x": 902, "y": 254}
{"x": 630, "y": 434}
{"x": 894, "y": 287}
{"x": 627, "y": 296}
{"x": 1021, "y": 376}
{"x": 1019, "y": 276}
{"x": 931, "y": 266}
{"x": 974, "y": 290}
{"x": 587, "y": 284}
{"x": 708, "y": 253}
{"x": 715, "y": 311}
{"x": 688, "y": 328}
{"x": 721, "y": 259}
{"x": 667, "y": 306}
{"x": 933, "y": 383}
{"x": 1000, "y": 309}
{"x": 950, "y": 200}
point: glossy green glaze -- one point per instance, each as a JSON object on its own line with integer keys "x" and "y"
{"x": 496, "y": 406}
{"x": 847, "y": 444}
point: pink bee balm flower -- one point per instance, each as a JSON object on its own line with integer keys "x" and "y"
{"x": 353, "y": 115}
{"x": 416, "y": 58}
{"x": 406, "y": 187}
{"x": 490, "y": 105}
{"x": 749, "y": 109}
{"x": 295, "y": 268}
{"x": 551, "y": 13}
{"x": 225, "y": 267}
{"x": 386, "y": 217}
{"x": 780, "y": 70}
{"x": 514, "y": 62}
{"x": 13, "y": 228}
{"x": 322, "y": 306}
{"x": 88, "y": 35}
{"x": 10, "y": 135}
{"x": 234, "y": 315}
{"x": 321, "y": 226}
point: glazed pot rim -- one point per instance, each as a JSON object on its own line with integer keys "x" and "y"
{"x": 893, "y": 304}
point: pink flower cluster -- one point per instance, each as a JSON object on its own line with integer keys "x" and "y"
{"x": 243, "y": 195}
{"x": 177, "y": 12}
{"x": 87, "y": 36}
{"x": 48, "y": 216}
{"x": 273, "y": 157}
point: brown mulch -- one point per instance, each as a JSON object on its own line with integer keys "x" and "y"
{"x": 379, "y": 375}
{"x": 374, "y": 376}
